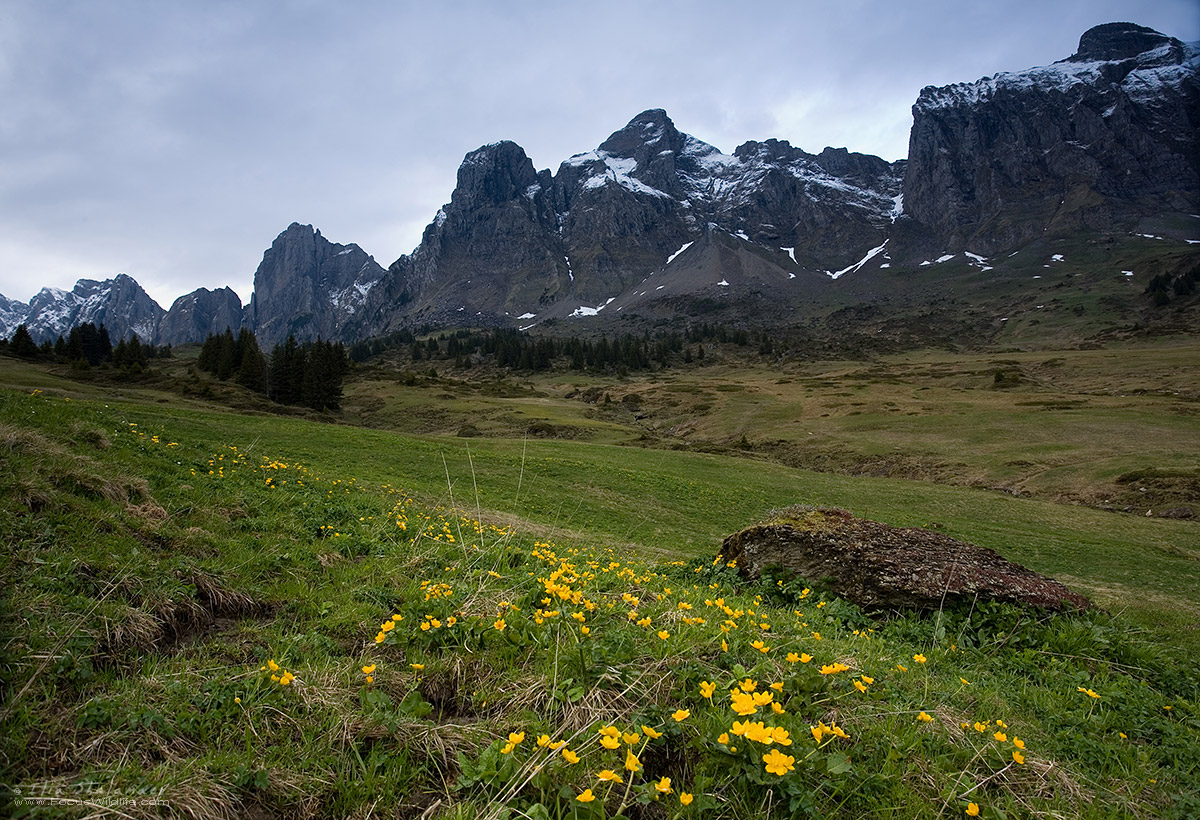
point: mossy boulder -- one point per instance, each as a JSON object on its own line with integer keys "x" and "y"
{"x": 877, "y": 566}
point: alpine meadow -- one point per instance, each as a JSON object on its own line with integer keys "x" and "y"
{"x": 457, "y": 538}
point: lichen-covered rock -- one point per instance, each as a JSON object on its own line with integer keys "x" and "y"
{"x": 877, "y": 566}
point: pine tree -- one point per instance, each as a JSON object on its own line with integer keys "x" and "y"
{"x": 227, "y": 361}
{"x": 22, "y": 343}
{"x": 252, "y": 372}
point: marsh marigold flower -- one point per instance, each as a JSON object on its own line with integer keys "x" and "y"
{"x": 685, "y": 798}
{"x": 586, "y": 796}
{"x": 972, "y": 810}
{"x": 680, "y": 715}
{"x": 653, "y": 734}
{"x": 778, "y": 763}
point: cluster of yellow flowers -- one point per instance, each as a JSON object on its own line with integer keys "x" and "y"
{"x": 1000, "y": 736}
{"x": 278, "y": 674}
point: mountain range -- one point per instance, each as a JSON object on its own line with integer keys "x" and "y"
{"x": 1003, "y": 175}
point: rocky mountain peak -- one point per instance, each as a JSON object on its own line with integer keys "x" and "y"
{"x": 649, "y": 133}
{"x": 493, "y": 175}
{"x": 308, "y": 286}
{"x": 1122, "y": 41}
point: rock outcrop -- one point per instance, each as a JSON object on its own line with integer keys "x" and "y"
{"x": 196, "y": 315}
{"x": 877, "y": 566}
{"x": 309, "y": 287}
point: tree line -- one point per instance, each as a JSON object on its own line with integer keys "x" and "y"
{"x": 309, "y": 374}
{"x": 516, "y": 350}
{"x": 87, "y": 345}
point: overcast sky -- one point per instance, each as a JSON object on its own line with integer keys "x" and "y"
{"x": 173, "y": 141}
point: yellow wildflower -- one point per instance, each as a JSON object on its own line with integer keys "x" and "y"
{"x": 778, "y": 763}
{"x": 586, "y": 796}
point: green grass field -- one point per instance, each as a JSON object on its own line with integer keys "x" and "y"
{"x": 167, "y": 554}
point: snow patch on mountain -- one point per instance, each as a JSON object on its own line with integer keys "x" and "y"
{"x": 608, "y": 169}
{"x": 871, "y": 254}
{"x": 682, "y": 248}
{"x": 584, "y": 310}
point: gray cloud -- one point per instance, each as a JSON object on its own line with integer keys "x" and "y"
{"x": 173, "y": 141}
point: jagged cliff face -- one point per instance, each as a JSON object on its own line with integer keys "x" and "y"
{"x": 1107, "y": 135}
{"x": 199, "y": 314}
{"x": 493, "y": 247}
{"x": 514, "y": 245}
{"x": 308, "y": 287}
{"x": 119, "y": 304}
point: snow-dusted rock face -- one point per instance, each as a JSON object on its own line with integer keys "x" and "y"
{"x": 12, "y": 315}
{"x": 307, "y": 286}
{"x": 1108, "y": 134}
{"x": 514, "y": 242}
{"x": 196, "y": 315}
{"x": 119, "y": 304}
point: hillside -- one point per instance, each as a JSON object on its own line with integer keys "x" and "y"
{"x": 201, "y": 593}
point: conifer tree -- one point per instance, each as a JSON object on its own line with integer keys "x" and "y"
{"x": 22, "y": 343}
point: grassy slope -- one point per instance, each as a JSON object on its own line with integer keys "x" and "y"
{"x": 150, "y": 593}
{"x": 1072, "y": 423}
